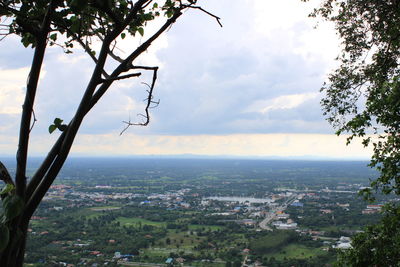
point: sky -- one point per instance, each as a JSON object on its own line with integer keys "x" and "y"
{"x": 250, "y": 88}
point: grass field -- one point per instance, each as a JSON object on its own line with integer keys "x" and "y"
{"x": 137, "y": 221}
{"x": 296, "y": 251}
{"x": 206, "y": 227}
{"x": 105, "y": 208}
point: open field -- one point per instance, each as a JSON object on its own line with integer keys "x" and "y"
{"x": 138, "y": 221}
{"x": 297, "y": 251}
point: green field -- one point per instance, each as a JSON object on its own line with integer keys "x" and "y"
{"x": 105, "y": 208}
{"x": 297, "y": 251}
{"x": 205, "y": 227}
{"x": 137, "y": 221}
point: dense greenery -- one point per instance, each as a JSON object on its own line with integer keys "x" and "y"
{"x": 363, "y": 94}
{"x": 379, "y": 245}
{"x": 363, "y": 99}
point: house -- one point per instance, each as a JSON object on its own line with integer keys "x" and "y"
{"x": 325, "y": 211}
{"x": 284, "y": 226}
{"x": 374, "y": 207}
{"x": 369, "y": 211}
{"x": 185, "y": 205}
{"x": 127, "y": 257}
{"x": 283, "y": 216}
{"x": 169, "y": 261}
{"x": 297, "y": 204}
{"x": 343, "y": 243}
{"x": 343, "y": 246}
{"x": 180, "y": 260}
{"x": 345, "y": 239}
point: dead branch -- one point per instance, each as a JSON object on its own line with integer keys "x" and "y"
{"x": 150, "y": 102}
{"x": 121, "y": 77}
{"x": 218, "y": 19}
{"x": 34, "y": 120}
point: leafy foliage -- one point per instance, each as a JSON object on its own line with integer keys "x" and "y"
{"x": 57, "y": 125}
{"x": 379, "y": 245}
{"x": 363, "y": 99}
{"x": 12, "y": 206}
{"x": 78, "y": 20}
{"x": 363, "y": 93}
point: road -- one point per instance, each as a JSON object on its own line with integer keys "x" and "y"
{"x": 272, "y": 214}
{"x": 268, "y": 218}
{"x": 244, "y": 261}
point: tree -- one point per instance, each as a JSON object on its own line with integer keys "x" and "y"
{"x": 379, "y": 245}
{"x": 68, "y": 23}
{"x": 363, "y": 93}
{"x": 362, "y": 98}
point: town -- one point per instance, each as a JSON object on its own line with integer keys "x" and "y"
{"x": 228, "y": 218}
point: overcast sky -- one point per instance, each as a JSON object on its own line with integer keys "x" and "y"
{"x": 250, "y": 88}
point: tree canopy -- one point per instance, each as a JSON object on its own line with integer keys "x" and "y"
{"x": 362, "y": 98}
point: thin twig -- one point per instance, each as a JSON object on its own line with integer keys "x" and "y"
{"x": 149, "y": 99}
{"x": 34, "y": 120}
{"x": 218, "y": 19}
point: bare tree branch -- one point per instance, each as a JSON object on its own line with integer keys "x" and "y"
{"x": 218, "y": 19}
{"x": 34, "y": 120}
{"x": 126, "y": 65}
{"x": 111, "y": 51}
{"x": 149, "y": 100}
{"x": 121, "y": 77}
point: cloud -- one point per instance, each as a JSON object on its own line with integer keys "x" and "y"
{"x": 210, "y": 79}
{"x": 259, "y": 74}
{"x": 12, "y": 55}
{"x": 12, "y": 83}
{"x": 280, "y": 103}
{"x": 236, "y": 144}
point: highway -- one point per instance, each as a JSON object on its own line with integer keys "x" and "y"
{"x": 272, "y": 214}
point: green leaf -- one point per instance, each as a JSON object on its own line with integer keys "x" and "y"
{"x": 4, "y": 236}
{"x": 52, "y": 128}
{"x": 57, "y": 121}
{"x": 169, "y": 13}
{"x": 7, "y": 188}
{"x": 76, "y": 24}
{"x": 25, "y": 41}
{"x": 141, "y": 31}
{"x": 53, "y": 37}
{"x": 123, "y": 35}
{"x": 13, "y": 206}
{"x": 79, "y": 4}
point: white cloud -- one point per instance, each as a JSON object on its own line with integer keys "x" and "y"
{"x": 12, "y": 84}
{"x": 266, "y": 60}
{"x": 278, "y": 20}
{"x": 280, "y": 102}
